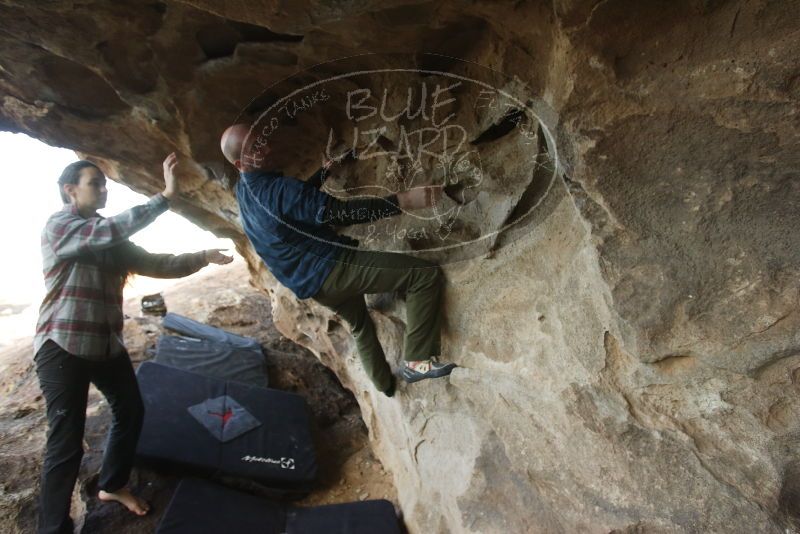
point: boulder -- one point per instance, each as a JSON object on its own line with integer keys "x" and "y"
{"x": 625, "y": 315}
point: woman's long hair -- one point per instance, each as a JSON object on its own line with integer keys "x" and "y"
{"x": 72, "y": 175}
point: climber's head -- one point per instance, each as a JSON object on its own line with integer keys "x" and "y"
{"x": 243, "y": 148}
{"x": 83, "y": 184}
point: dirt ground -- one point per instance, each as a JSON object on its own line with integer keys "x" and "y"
{"x": 348, "y": 470}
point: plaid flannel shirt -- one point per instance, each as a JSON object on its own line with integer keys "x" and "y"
{"x": 86, "y": 262}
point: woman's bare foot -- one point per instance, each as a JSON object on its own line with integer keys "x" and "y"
{"x": 127, "y": 499}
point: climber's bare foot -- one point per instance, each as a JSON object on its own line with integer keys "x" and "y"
{"x": 127, "y": 499}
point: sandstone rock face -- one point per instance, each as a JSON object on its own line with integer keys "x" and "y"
{"x": 629, "y": 349}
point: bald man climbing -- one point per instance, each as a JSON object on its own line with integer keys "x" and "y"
{"x": 290, "y": 225}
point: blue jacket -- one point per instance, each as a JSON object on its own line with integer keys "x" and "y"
{"x": 283, "y": 218}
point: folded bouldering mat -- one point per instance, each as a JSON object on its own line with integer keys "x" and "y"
{"x": 225, "y": 427}
{"x": 212, "y": 359}
{"x": 211, "y": 351}
{"x": 200, "y": 507}
{"x": 190, "y": 327}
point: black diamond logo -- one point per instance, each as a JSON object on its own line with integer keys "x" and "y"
{"x": 225, "y": 418}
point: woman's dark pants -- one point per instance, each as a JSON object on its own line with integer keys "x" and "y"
{"x": 64, "y": 380}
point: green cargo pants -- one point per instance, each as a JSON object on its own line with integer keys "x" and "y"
{"x": 359, "y": 272}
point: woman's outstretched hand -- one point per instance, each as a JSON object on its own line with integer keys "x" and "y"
{"x": 215, "y": 255}
{"x": 170, "y": 180}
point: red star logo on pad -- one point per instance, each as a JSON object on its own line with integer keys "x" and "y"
{"x": 224, "y": 416}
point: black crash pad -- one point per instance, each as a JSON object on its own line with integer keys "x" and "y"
{"x": 365, "y": 517}
{"x": 200, "y": 507}
{"x": 213, "y": 359}
{"x": 211, "y": 351}
{"x": 187, "y": 420}
{"x": 190, "y": 327}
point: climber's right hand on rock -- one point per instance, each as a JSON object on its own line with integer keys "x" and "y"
{"x": 170, "y": 180}
{"x": 420, "y": 197}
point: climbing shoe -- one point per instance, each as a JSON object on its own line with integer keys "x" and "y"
{"x": 432, "y": 368}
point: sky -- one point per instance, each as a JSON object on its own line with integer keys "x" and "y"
{"x": 29, "y": 171}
